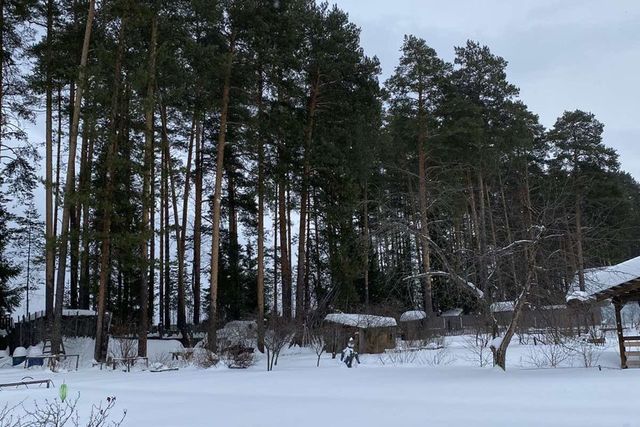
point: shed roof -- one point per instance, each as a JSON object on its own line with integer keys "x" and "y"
{"x": 412, "y": 315}
{"x": 455, "y": 312}
{"x": 361, "y": 320}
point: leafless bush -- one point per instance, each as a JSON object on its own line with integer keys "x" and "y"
{"x": 8, "y": 418}
{"x": 239, "y": 357}
{"x": 204, "y": 358}
{"x": 478, "y": 348}
{"x": 399, "y": 356}
{"x": 237, "y": 333}
{"x": 160, "y": 359}
{"x": 317, "y": 343}
{"x": 439, "y": 357}
{"x": 434, "y": 353}
{"x": 123, "y": 347}
{"x": 279, "y": 334}
{"x": 59, "y": 413}
{"x": 587, "y": 349}
{"x": 548, "y": 355}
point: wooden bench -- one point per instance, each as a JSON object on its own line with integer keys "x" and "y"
{"x": 128, "y": 362}
{"x": 48, "y": 382}
{"x": 185, "y": 354}
{"x": 50, "y": 358}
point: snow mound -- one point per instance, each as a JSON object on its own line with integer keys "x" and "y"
{"x": 409, "y": 316}
{"x": 20, "y": 352}
{"x": 361, "y": 320}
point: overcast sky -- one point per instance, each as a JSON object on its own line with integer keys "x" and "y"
{"x": 563, "y": 54}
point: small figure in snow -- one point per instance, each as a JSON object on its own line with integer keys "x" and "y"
{"x": 349, "y": 353}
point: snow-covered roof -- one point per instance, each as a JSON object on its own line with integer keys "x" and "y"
{"x": 411, "y": 315}
{"x": 69, "y": 312}
{"x": 600, "y": 279}
{"x": 554, "y": 307}
{"x": 360, "y": 320}
{"x": 501, "y": 306}
{"x": 455, "y": 312}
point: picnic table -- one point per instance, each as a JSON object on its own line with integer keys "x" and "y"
{"x": 32, "y": 360}
{"x": 128, "y": 362}
{"x": 185, "y": 354}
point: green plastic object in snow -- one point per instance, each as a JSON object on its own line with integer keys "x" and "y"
{"x": 63, "y": 392}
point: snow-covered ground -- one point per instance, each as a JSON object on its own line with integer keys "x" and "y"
{"x": 444, "y": 387}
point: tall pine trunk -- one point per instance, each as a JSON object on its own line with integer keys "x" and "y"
{"x": 56, "y": 338}
{"x": 260, "y": 278}
{"x": 50, "y": 237}
{"x": 424, "y": 216}
{"x": 304, "y": 195}
{"x": 197, "y": 226}
{"x": 217, "y": 196}
{"x": 284, "y": 253}
{"x": 105, "y": 250}
{"x": 147, "y": 232}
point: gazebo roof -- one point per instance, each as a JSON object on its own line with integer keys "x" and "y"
{"x": 621, "y": 281}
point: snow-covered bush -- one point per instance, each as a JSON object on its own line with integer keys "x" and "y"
{"x": 161, "y": 361}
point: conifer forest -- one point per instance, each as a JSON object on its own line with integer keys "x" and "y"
{"x": 186, "y": 163}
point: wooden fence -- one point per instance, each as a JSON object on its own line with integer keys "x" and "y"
{"x": 31, "y": 331}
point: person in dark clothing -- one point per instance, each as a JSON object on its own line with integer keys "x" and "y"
{"x": 349, "y": 354}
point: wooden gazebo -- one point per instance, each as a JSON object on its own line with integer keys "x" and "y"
{"x": 621, "y": 285}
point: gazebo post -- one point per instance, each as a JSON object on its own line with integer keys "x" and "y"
{"x": 623, "y": 357}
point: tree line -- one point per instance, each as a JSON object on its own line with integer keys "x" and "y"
{"x": 208, "y": 161}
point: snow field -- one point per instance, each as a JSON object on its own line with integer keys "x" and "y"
{"x": 382, "y": 391}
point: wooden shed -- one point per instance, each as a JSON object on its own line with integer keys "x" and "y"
{"x": 413, "y": 324}
{"x": 373, "y": 334}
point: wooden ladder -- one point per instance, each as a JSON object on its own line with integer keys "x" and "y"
{"x": 46, "y": 347}
{"x": 632, "y": 351}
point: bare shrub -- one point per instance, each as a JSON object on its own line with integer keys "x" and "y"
{"x": 279, "y": 334}
{"x": 317, "y": 342}
{"x": 237, "y": 333}
{"x": 439, "y": 357}
{"x": 587, "y": 349}
{"x": 434, "y": 353}
{"x": 59, "y": 413}
{"x": 548, "y": 355}
{"x": 239, "y": 357}
{"x": 478, "y": 349}
{"x": 123, "y": 347}
{"x": 204, "y": 358}
{"x": 162, "y": 361}
{"x": 403, "y": 354}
